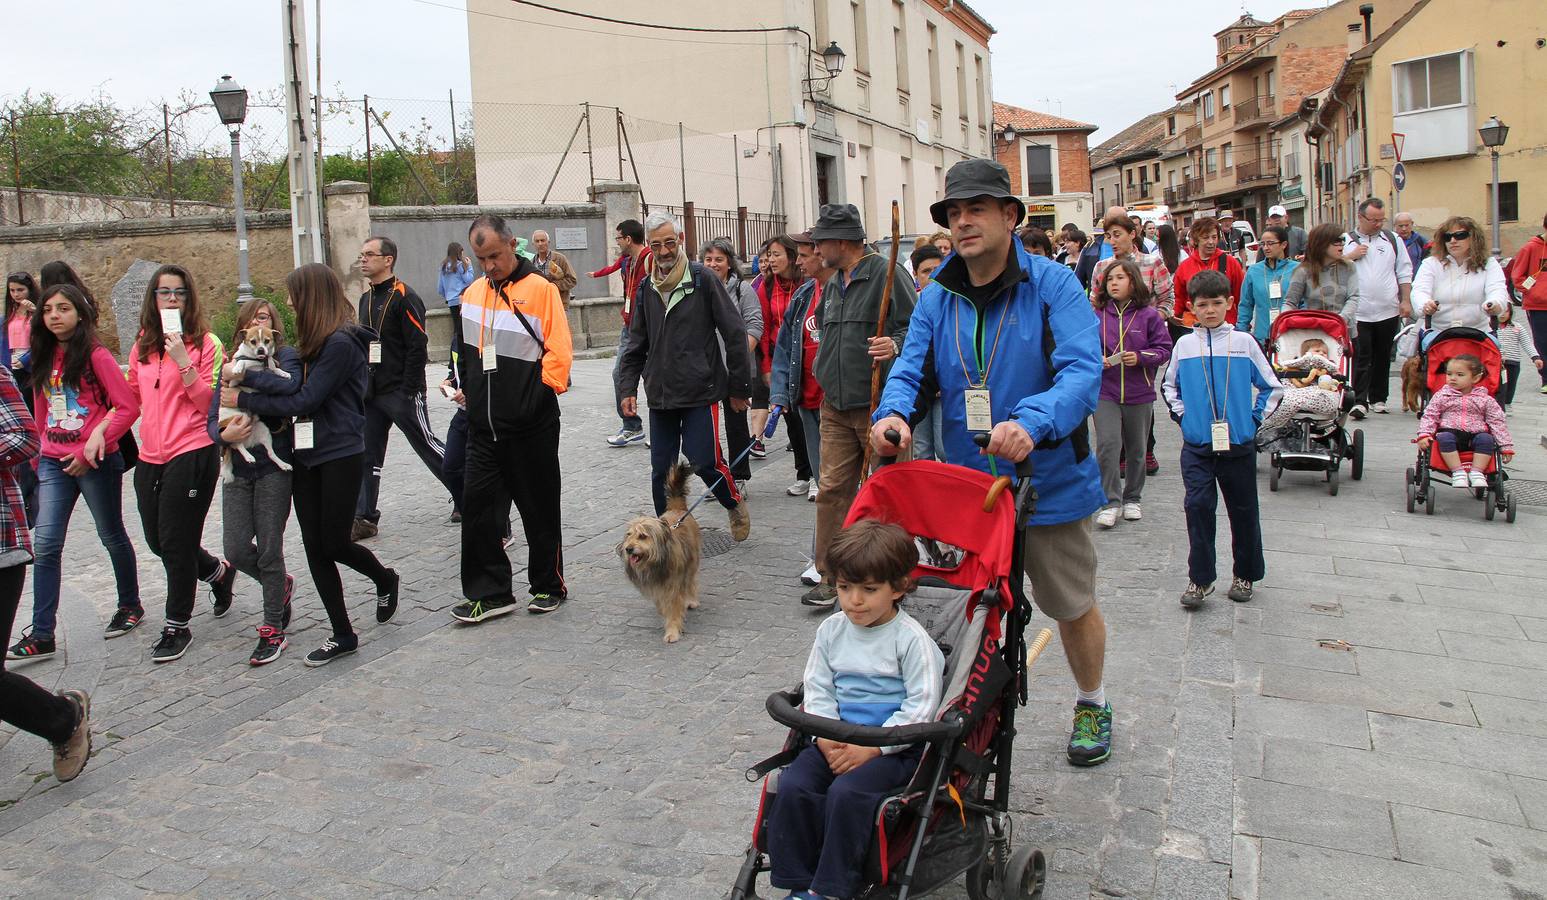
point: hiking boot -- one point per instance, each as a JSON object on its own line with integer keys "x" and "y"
{"x": 125, "y": 618}
{"x": 1240, "y": 590}
{"x": 362, "y": 530}
{"x": 823, "y": 596}
{"x": 1090, "y": 743}
{"x": 625, "y": 437}
{"x": 70, "y": 757}
{"x": 386, "y": 600}
{"x": 1192, "y": 598}
{"x": 332, "y": 649}
{"x": 284, "y": 619}
{"x": 1151, "y": 464}
{"x": 220, "y": 586}
{"x": 30, "y": 647}
{"x": 741, "y": 521}
{"x": 474, "y": 611}
{"x": 172, "y": 645}
{"x": 270, "y": 642}
{"x": 544, "y": 603}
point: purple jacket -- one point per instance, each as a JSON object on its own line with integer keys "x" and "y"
{"x": 1140, "y": 331}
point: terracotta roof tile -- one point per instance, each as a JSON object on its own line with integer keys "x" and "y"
{"x": 1031, "y": 120}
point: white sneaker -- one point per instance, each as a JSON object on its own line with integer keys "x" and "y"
{"x": 1131, "y": 512}
{"x": 811, "y": 492}
{"x": 798, "y": 488}
{"x": 811, "y": 577}
{"x": 1478, "y": 479}
{"x": 1107, "y": 517}
{"x": 1459, "y": 479}
{"x": 1378, "y": 406}
{"x": 625, "y": 437}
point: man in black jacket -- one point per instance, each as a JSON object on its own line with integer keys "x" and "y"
{"x": 397, "y": 357}
{"x": 684, "y": 367}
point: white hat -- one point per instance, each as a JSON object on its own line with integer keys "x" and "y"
{"x": 1278, "y": 211}
{"x": 1227, "y": 214}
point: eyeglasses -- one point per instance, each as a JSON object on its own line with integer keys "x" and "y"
{"x": 369, "y": 255}
{"x": 172, "y": 292}
{"x": 1267, "y": 243}
{"x": 658, "y": 246}
{"x": 1457, "y": 235}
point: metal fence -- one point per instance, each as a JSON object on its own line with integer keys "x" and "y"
{"x": 748, "y": 231}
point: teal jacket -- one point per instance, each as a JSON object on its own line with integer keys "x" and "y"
{"x": 1257, "y": 307}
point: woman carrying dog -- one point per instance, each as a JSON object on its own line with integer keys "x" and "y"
{"x": 173, "y": 370}
{"x": 256, "y": 501}
{"x": 329, "y": 445}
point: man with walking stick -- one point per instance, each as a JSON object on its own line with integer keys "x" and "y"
{"x": 849, "y": 348}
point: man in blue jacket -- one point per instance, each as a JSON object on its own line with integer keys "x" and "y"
{"x": 1013, "y": 342}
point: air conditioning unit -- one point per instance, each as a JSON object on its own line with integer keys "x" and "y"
{"x": 853, "y": 149}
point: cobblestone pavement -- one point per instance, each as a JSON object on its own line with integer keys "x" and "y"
{"x": 1372, "y": 725}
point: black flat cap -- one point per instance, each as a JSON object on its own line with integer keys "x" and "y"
{"x": 838, "y": 222}
{"x": 975, "y": 178}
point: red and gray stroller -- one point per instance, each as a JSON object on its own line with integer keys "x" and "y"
{"x": 1435, "y": 351}
{"x": 952, "y": 818}
{"x": 1319, "y": 441}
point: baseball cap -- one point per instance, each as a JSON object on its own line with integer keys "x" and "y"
{"x": 1278, "y": 211}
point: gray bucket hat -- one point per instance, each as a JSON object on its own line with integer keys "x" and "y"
{"x": 838, "y": 222}
{"x": 975, "y": 178}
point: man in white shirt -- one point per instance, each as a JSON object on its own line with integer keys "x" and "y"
{"x": 1385, "y": 282}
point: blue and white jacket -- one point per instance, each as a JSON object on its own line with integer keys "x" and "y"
{"x": 883, "y": 675}
{"x": 1228, "y": 366}
{"x": 1047, "y": 391}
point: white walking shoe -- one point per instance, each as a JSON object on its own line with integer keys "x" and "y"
{"x": 1131, "y": 512}
{"x": 798, "y": 488}
{"x": 811, "y": 491}
{"x": 1107, "y": 517}
{"x": 1478, "y": 479}
{"x": 1459, "y": 479}
{"x": 811, "y": 577}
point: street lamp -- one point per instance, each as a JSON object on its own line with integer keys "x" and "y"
{"x": 1494, "y": 133}
{"x": 832, "y": 58}
{"x": 230, "y": 101}
{"x": 832, "y": 61}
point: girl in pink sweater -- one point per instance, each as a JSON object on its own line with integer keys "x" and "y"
{"x": 1462, "y": 415}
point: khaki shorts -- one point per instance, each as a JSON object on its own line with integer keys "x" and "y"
{"x": 1061, "y": 565}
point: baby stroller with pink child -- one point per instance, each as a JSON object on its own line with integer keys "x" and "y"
{"x": 1314, "y": 439}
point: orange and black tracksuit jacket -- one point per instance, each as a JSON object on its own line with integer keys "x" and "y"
{"x": 396, "y": 314}
{"x": 523, "y": 321}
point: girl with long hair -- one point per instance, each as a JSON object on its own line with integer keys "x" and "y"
{"x": 255, "y": 503}
{"x": 1459, "y": 283}
{"x": 1325, "y": 280}
{"x": 456, "y": 273}
{"x": 21, "y": 299}
{"x": 329, "y": 444}
{"x": 174, "y": 368}
{"x": 84, "y": 409}
{"x": 719, "y": 257}
{"x": 1135, "y": 344}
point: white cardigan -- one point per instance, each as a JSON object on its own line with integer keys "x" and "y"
{"x": 1464, "y": 297}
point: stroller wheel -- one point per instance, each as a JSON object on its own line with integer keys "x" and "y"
{"x": 1509, "y": 509}
{"x": 1273, "y": 478}
{"x": 1428, "y": 497}
{"x": 1412, "y": 475}
{"x": 1489, "y": 509}
{"x": 1332, "y": 482}
{"x": 1356, "y": 455}
{"x": 1026, "y": 874}
{"x": 1412, "y": 497}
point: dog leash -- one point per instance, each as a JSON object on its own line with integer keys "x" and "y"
{"x": 768, "y": 432}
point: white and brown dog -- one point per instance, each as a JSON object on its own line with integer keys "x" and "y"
{"x": 255, "y": 350}
{"x": 661, "y": 555}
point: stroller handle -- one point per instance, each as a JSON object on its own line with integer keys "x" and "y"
{"x": 782, "y": 708}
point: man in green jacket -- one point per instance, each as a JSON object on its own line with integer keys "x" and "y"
{"x": 851, "y": 304}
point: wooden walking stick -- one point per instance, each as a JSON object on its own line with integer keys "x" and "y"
{"x": 886, "y": 308}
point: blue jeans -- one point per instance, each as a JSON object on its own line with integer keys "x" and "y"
{"x": 927, "y": 436}
{"x": 103, "y": 489}
{"x": 630, "y": 423}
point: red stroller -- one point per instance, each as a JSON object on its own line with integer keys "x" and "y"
{"x": 1436, "y": 349}
{"x": 1316, "y": 443}
{"x": 953, "y": 815}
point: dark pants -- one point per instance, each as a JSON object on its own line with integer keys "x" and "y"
{"x": 456, "y": 329}
{"x": 1453, "y": 440}
{"x": 406, "y": 411}
{"x": 173, "y": 499}
{"x": 1372, "y": 370}
{"x": 737, "y": 439}
{"x": 455, "y": 465}
{"x": 1507, "y": 389}
{"x": 630, "y": 423}
{"x": 796, "y": 430}
{"x": 821, "y": 826}
{"x": 325, "y": 497}
{"x": 693, "y": 433}
{"x": 1537, "y": 319}
{"x": 523, "y": 470}
{"x": 1236, "y": 476}
{"x": 22, "y": 702}
{"x": 254, "y": 512}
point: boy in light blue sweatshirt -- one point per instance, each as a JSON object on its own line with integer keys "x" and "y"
{"x": 871, "y": 664}
{"x": 1219, "y": 387}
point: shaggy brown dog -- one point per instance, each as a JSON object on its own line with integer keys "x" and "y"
{"x": 1412, "y": 385}
{"x": 661, "y": 555}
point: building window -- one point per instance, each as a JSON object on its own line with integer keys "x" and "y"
{"x": 982, "y": 89}
{"x": 861, "y": 37}
{"x": 1171, "y": 126}
{"x": 1428, "y": 83}
{"x": 1157, "y": 172}
{"x": 1509, "y": 201}
{"x": 1224, "y": 97}
{"x": 1208, "y": 107}
{"x": 900, "y": 44}
{"x": 934, "y": 65}
{"x": 822, "y": 28}
{"x": 1226, "y": 151}
{"x": 961, "y": 81}
{"x": 1039, "y": 170}
{"x": 1129, "y": 175}
{"x": 1210, "y": 161}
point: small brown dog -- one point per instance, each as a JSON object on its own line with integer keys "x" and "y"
{"x": 661, "y": 555}
{"x": 1412, "y": 385}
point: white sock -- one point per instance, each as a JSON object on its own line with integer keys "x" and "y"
{"x": 1098, "y": 697}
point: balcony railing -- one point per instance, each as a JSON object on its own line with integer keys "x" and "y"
{"x": 1193, "y": 187}
{"x": 1254, "y": 170}
{"x": 1174, "y": 195}
{"x": 1193, "y": 135}
{"x": 1255, "y": 111}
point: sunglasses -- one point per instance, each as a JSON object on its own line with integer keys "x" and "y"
{"x": 1457, "y": 235}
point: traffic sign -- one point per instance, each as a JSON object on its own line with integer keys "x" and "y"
{"x": 1399, "y": 176}
{"x": 1397, "y": 140}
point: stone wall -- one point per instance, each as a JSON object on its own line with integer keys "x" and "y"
{"x": 70, "y": 207}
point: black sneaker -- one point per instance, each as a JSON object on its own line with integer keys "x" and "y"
{"x": 544, "y": 603}
{"x": 271, "y": 642}
{"x": 173, "y": 644}
{"x": 823, "y": 596}
{"x": 30, "y": 647}
{"x": 332, "y": 649}
{"x": 284, "y": 619}
{"x": 362, "y": 529}
{"x": 386, "y": 600}
{"x": 474, "y": 611}
{"x": 220, "y": 585}
{"x": 124, "y": 621}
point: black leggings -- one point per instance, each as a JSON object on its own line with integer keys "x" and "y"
{"x": 173, "y": 499}
{"x": 325, "y": 496}
{"x": 22, "y": 702}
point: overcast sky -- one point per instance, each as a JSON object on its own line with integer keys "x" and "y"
{"x": 1096, "y": 63}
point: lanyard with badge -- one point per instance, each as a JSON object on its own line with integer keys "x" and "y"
{"x": 303, "y": 437}
{"x": 1219, "y": 428}
{"x": 486, "y": 351}
{"x": 58, "y": 407}
{"x": 373, "y": 352}
{"x": 976, "y": 398}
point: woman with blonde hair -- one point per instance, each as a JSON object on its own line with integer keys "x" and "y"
{"x": 1459, "y": 283}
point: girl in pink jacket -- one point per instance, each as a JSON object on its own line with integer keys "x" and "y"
{"x": 1462, "y": 415}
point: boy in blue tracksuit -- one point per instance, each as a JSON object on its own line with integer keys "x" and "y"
{"x": 1219, "y": 386}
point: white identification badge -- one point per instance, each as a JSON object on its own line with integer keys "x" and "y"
{"x": 1219, "y": 432}
{"x": 56, "y": 406}
{"x": 491, "y": 359}
{"x": 171, "y": 321}
{"x": 16, "y": 358}
{"x": 1528, "y": 283}
{"x": 303, "y": 434}
{"x": 1275, "y": 291}
{"x": 373, "y": 355}
{"x": 980, "y": 410}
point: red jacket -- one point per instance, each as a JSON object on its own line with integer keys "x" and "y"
{"x": 1191, "y": 266}
{"x": 633, "y": 274}
{"x": 1529, "y": 263}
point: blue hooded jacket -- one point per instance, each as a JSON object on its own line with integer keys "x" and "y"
{"x": 1225, "y": 368}
{"x": 1050, "y": 394}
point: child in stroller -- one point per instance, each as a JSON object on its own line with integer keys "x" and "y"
{"x": 1463, "y": 416}
{"x": 1312, "y": 351}
{"x": 1312, "y": 390}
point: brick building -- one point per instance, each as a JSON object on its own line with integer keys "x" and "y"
{"x": 1049, "y": 162}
